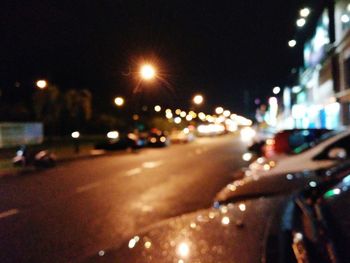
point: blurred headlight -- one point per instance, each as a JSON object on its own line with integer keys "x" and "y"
{"x": 247, "y": 156}
{"x": 113, "y": 135}
{"x": 247, "y": 134}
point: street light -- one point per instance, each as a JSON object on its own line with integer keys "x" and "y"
{"x": 157, "y": 108}
{"x": 305, "y": 12}
{"x": 301, "y": 22}
{"x": 198, "y": 99}
{"x": 219, "y": 110}
{"x": 292, "y": 43}
{"x": 276, "y": 90}
{"x": 119, "y": 101}
{"x": 41, "y": 84}
{"x": 147, "y": 72}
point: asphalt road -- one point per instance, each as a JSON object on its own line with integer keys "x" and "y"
{"x": 74, "y": 210}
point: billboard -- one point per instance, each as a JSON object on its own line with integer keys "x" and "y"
{"x": 14, "y": 134}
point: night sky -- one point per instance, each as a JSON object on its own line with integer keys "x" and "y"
{"x": 230, "y": 51}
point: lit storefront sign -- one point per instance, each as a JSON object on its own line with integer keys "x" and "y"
{"x": 314, "y": 50}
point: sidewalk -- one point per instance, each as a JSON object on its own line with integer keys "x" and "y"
{"x": 63, "y": 153}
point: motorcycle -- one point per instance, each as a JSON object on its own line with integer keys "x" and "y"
{"x": 39, "y": 159}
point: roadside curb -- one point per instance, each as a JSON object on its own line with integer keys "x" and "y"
{"x": 98, "y": 153}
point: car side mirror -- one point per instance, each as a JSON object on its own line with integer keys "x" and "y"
{"x": 337, "y": 153}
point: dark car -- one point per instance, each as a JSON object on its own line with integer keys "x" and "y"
{"x": 270, "y": 225}
{"x": 122, "y": 141}
{"x": 157, "y": 138}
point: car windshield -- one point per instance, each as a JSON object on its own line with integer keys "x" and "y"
{"x": 306, "y": 146}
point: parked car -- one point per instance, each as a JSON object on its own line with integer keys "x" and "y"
{"x": 291, "y": 141}
{"x": 286, "y": 142}
{"x": 38, "y": 158}
{"x": 329, "y": 150}
{"x": 181, "y": 136}
{"x": 268, "y": 227}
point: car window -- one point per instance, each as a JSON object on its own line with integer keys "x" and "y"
{"x": 342, "y": 143}
{"x": 308, "y": 145}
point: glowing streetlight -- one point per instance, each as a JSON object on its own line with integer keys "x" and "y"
{"x": 276, "y": 90}
{"x": 219, "y": 110}
{"x": 305, "y": 12}
{"x": 198, "y": 99}
{"x": 119, "y": 101}
{"x": 157, "y": 108}
{"x": 345, "y": 18}
{"x": 147, "y": 72}
{"x": 75, "y": 135}
{"x": 301, "y": 22}
{"x": 292, "y": 43}
{"x": 177, "y": 120}
{"x": 227, "y": 113}
{"x": 41, "y": 84}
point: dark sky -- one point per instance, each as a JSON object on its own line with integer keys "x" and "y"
{"x": 222, "y": 49}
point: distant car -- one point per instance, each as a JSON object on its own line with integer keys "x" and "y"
{"x": 181, "y": 136}
{"x": 121, "y": 142}
{"x": 157, "y": 138}
{"x": 270, "y": 226}
{"x": 330, "y": 149}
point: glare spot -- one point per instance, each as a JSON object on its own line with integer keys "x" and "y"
{"x": 180, "y": 261}
{"x": 148, "y": 244}
{"x": 177, "y": 120}
{"x": 193, "y": 225}
{"x": 260, "y": 160}
{"x": 183, "y": 250}
{"x": 242, "y": 207}
{"x": 113, "y": 135}
{"x": 162, "y": 139}
{"x": 312, "y": 184}
{"x": 101, "y": 253}
{"x": 266, "y": 167}
{"x": 289, "y": 177}
{"x": 297, "y": 237}
{"x": 75, "y": 135}
{"x": 223, "y": 209}
{"x": 133, "y": 242}
{"x": 232, "y": 187}
{"x": 247, "y": 157}
{"x": 211, "y": 215}
{"x": 225, "y": 220}
{"x": 336, "y": 191}
{"x": 157, "y": 108}
{"x": 345, "y": 18}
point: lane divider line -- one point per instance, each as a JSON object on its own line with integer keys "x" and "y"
{"x": 134, "y": 171}
{"x": 87, "y": 187}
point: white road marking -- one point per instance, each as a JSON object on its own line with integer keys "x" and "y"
{"x": 147, "y": 208}
{"x": 87, "y": 187}
{"x": 199, "y": 151}
{"x": 151, "y": 165}
{"x": 133, "y": 172}
{"x": 8, "y": 213}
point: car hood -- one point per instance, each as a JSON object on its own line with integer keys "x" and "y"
{"x": 253, "y": 186}
{"x": 232, "y": 233}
